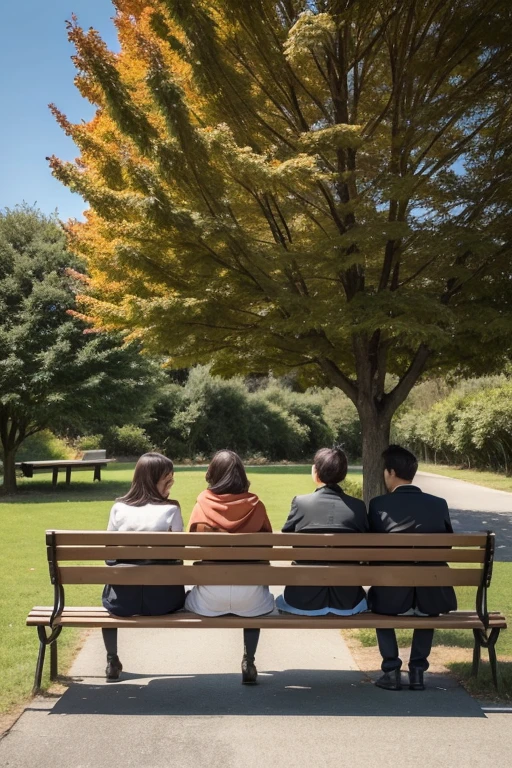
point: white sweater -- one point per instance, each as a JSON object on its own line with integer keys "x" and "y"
{"x": 150, "y": 517}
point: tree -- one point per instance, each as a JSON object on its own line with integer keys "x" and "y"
{"x": 284, "y": 184}
{"x": 52, "y": 372}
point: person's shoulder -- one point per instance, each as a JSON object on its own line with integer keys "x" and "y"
{"x": 353, "y": 502}
{"x": 118, "y": 507}
{"x": 380, "y": 500}
{"x": 430, "y": 498}
{"x": 172, "y": 505}
{"x": 303, "y": 498}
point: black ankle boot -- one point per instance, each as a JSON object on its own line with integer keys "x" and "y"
{"x": 416, "y": 680}
{"x": 114, "y": 667}
{"x": 390, "y": 681}
{"x": 249, "y": 671}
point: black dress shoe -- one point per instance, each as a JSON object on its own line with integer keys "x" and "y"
{"x": 114, "y": 668}
{"x": 416, "y": 680}
{"x": 249, "y": 672}
{"x": 390, "y": 681}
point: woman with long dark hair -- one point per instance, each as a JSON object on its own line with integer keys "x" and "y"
{"x": 227, "y": 506}
{"x": 146, "y": 507}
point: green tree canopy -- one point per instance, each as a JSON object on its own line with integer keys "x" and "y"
{"x": 323, "y": 184}
{"x": 52, "y": 372}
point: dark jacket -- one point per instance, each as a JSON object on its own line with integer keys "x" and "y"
{"x": 327, "y": 510}
{"x": 408, "y": 510}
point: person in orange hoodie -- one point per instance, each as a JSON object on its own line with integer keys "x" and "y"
{"x": 227, "y": 506}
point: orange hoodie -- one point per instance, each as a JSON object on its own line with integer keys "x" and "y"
{"x": 229, "y": 513}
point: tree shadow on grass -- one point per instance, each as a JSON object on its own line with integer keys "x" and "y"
{"x": 40, "y": 492}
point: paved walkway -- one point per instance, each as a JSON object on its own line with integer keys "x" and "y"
{"x": 180, "y": 702}
{"x": 474, "y": 508}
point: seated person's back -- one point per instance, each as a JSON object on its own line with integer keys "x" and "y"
{"x": 327, "y": 510}
{"x": 227, "y": 506}
{"x": 408, "y": 510}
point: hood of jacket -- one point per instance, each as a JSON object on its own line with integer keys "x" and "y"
{"x": 232, "y": 513}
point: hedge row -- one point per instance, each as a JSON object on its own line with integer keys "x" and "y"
{"x": 472, "y": 429}
{"x": 206, "y": 413}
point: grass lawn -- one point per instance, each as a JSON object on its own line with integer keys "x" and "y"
{"x": 85, "y": 505}
{"x": 488, "y": 479}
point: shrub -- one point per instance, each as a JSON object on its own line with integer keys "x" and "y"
{"x": 342, "y": 418}
{"x": 44, "y": 445}
{"x": 472, "y": 426}
{"x": 353, "y": 487}
{"x": 128, "y": 440}
{"x": 208, "y": 413}
{"x": 90, "y": 442}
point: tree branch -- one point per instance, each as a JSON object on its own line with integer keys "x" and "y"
{"x": 338, "y": 378}
{"x": 398, "y": 394}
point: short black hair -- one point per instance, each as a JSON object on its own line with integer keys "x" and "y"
{"x": 401, "y": 460}
{"x": 331, "y": 465}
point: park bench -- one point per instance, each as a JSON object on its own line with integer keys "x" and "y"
{"x": 325, "y": 559}
{"x": 91, "y": 459}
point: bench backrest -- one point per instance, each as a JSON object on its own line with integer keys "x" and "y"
{"x": 325, "y": 559}
{"x": 90, "y": 455}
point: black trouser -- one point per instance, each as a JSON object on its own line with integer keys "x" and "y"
{"x": 251, "y": 637}
{"x": 420, "y": 649}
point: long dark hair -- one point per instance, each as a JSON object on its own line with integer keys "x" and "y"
{"x": 226, "y": 474}
{"x": 150, "y": 468}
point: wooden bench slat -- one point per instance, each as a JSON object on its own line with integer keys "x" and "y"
{"x": 243, "y": 574}
{"x": 184, "y": 620}
{"x": 84, "y": 609}
{"x": 270, "y": 539}
{"x": 93, "y": 552}
{"x": 463, "y": 618}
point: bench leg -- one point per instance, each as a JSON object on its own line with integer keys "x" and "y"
{"x": 68, "y": 475}
{"x": 97, "y": 473}
{"x": 45, "y": 640}
{"x": 482, "y": 640}
{"x": 40, "y": 660}
{"x": 54, "y": 661}
{"x": 55, "y": 475}
{"x": 491, "y": 647}
{"x": 477, "y": 653}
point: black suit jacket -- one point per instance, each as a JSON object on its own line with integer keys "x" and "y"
{"x": 327, "y": 510}
{"x": 408, "y": 510}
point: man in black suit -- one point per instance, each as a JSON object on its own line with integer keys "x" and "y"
{"x": 405, "y": 509}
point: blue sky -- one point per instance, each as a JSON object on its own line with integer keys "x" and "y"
{"x": 36, "y": 69}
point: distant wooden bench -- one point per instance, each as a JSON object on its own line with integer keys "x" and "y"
{"x": 336, "y": 559}
{"x": 91, "y": 459}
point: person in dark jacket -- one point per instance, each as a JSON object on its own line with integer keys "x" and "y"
{"x": 405, "y": 509}
{"x": 328, "y": 510}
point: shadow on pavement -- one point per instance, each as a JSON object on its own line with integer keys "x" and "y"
{"x": 500, "y": 522}
{"x": 284, "y": 693}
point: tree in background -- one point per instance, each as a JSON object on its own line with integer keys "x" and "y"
{"x": 282, "y": 184}
{"x": 52, "y": 372}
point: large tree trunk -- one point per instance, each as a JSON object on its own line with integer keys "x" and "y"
{"x": 375, "y": 407}
{"x": 375, "y": 429}
{"x": 9, "y": 459}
